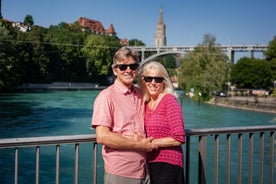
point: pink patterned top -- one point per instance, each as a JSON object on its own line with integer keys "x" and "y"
{"x": 166, "y": 121}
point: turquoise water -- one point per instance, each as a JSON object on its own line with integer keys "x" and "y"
{"x": 69, "y": 113}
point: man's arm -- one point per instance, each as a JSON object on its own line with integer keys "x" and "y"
{"x": 113, "y": 140}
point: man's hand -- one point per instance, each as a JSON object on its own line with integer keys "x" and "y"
{"x": 147, "y": 145}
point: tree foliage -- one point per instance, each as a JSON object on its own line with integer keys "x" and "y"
{"x": 256, "y": 73}
{"x": 10, "y": 65}
{"x": 28, "y": 20}
{"x": 271, "y": 57}
{"x": 251, "y": 73}
{"x": 271, "y": 51}
{"x": 205, "y": 69}
{"x": 61, "y": 53}
{"x": 99, "y": 57}
{"x": 135, "y": 42}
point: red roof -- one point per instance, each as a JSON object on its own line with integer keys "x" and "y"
{"x": 95, "y": 26}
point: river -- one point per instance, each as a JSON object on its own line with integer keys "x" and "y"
{"x": 69, "y": 113}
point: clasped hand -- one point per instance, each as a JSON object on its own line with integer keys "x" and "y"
{"x": 146, "y": 144}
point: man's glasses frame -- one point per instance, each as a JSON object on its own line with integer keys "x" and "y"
{"x": 123, "y": 67}
{"x": 156, "y": 79}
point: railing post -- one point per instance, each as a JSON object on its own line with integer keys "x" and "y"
{"x": 272, "y": 161}
{"x": 202, "y": 160}
{"x": 57, "y": 163}
{"x": 16, "y": 166}
{"x": 239, "y": 158}
{"x": 37, "y": 165}
{"x": 228, "y": 159}
{"x": 187, "y": 161}
{"x": 76, "y": 163}
{"x": 261, "y": 165}
{"x": 250, "y": 162}
{"x": 95, "y": 157}
{"x": 216, "y": 159}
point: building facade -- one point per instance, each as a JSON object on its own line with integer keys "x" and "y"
{"x": 95, "y": 26}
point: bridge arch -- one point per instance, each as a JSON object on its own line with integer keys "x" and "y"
{"x": 150, "y": 58}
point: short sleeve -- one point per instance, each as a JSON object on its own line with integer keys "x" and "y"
{"x": 102, "y": 110}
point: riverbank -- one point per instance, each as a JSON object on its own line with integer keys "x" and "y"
{"x": 260, "y": 104}
{"x": 55, "y": 86}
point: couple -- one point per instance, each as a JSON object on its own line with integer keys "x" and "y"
{"x": 141, "y": 129}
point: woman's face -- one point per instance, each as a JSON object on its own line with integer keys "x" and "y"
{"x": 154, "y": 86}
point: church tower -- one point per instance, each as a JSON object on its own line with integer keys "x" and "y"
{"x": 160, "y": 36}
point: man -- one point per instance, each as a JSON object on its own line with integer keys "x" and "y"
{"x": 118, "y": 118}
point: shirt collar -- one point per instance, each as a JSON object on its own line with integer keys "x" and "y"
{"x": 118, "y": 85}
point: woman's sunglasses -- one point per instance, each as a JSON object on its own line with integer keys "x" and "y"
{"x": 123, "y": 67}
{"x": 156, "y": 79}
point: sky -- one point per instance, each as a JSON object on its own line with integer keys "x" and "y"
{"x": 187, "y": 21}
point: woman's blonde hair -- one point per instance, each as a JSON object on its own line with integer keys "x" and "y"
{"x": 154, "y": 65}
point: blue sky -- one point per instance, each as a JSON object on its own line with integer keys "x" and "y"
{"x": 230, "y": 21}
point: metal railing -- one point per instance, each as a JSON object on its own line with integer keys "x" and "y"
{"x": 239, "y": 141}
{"x": 225, "y": 159}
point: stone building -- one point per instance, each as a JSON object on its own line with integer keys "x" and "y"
{"x": 95, "y": 26}
{"x": 160, "y": 36}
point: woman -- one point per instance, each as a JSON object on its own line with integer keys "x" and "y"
{"x": 163, "y": 121}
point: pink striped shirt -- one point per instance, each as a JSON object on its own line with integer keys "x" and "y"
{"x": 166, "y": 121}
{"x": 122, "y": 111}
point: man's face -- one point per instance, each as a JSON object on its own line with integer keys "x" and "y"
{"x": 126, "y": 74}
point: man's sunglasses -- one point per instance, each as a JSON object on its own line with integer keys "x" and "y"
{"x": 123, "y": 67}
{"x": 156, "y": 79}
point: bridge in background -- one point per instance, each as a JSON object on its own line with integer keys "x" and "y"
{"x": 229, "y": 50}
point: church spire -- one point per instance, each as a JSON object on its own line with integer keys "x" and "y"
{"x": 160, "y": 36}
{"x": 161, "y": 20}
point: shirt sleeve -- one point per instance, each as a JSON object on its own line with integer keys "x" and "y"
{"x": 102, "y": 111}
{"x": 175, "y": 118}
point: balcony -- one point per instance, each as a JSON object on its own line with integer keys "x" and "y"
{"x": 212, "y": 155}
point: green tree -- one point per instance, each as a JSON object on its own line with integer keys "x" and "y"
{"x": 28, "y": 20}
{"x": 205, "y": 70}
{"x": 135, "y": 42}
{"x": 251, "y": 73}
{"x": 33, "y": 53}
{"x": 98, "y": 57}
{"x": 271, "y": 57}
{"x": 271, "y": 51}
{"x": 68, "y": 63}
{"x": 10, "y": 65}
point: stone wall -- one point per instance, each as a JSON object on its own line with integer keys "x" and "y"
{"x": 265, "y": 104}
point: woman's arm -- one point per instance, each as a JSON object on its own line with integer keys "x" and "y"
{"x": 166, "y": 142}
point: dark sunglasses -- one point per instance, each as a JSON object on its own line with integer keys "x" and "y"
{"x": 156, "y": 79}
{"x": 123, "y": 67}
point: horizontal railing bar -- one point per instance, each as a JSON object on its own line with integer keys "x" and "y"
{"x": 49, "y": 140}
{"x": 227, "y": 130}
{"x": 52, "y": 140}
{"x": 201, "y": 133}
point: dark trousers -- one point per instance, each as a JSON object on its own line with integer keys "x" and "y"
{"x": 164, "y": 173}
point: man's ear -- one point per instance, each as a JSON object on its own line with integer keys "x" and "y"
{"x": 114, "y": 71}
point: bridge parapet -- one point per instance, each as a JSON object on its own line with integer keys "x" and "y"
{"x": 228, "y": 49}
